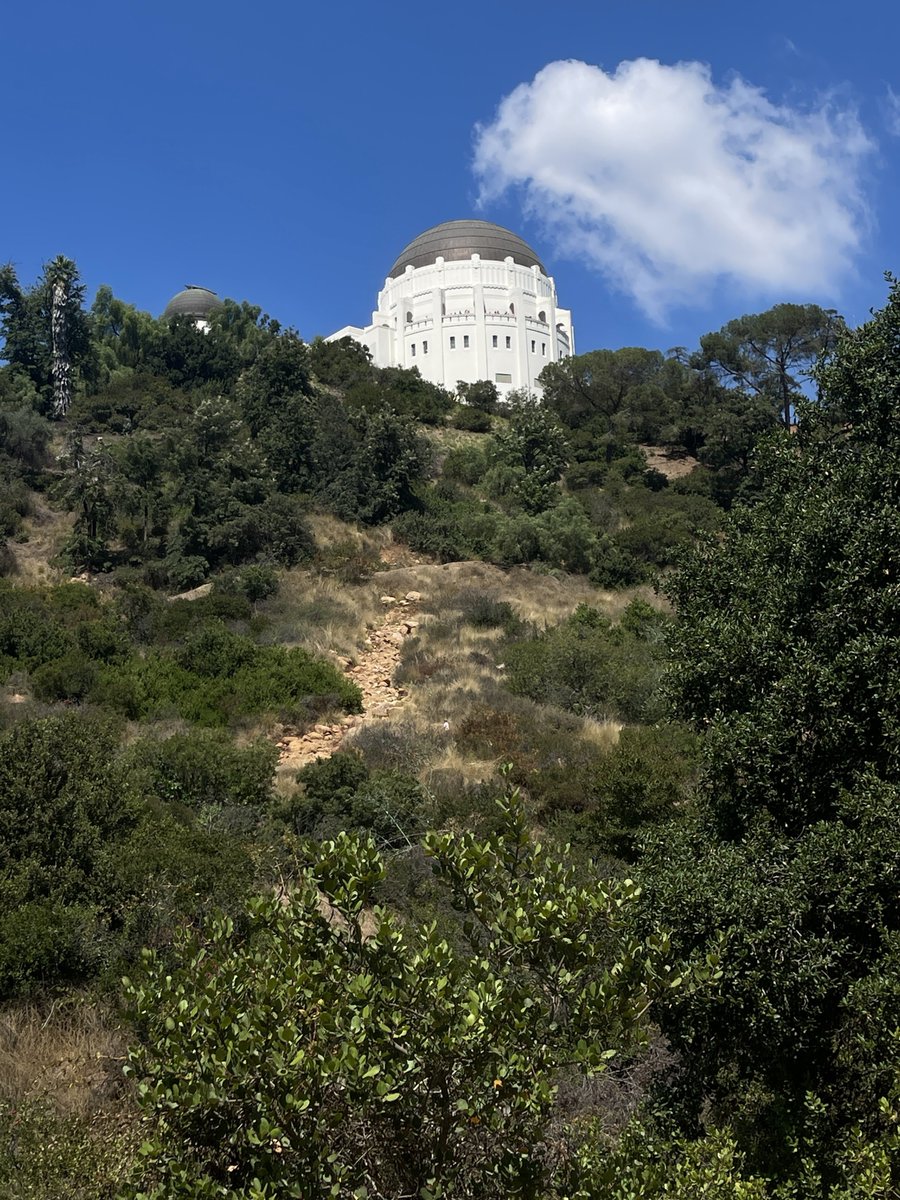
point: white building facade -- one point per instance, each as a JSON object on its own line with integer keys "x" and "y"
{"x": 466, "y": 301}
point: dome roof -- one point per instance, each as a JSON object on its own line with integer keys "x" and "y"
{"x": 456, "y": 240}
{"x": 192, "y": 302}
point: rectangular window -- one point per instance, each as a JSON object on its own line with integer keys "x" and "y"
{"x": 424, "y": 347}
{"x": 532, "y": 347}
{"x": 509, "y": 343}
{"x": 502, "y": 377}
{"x": 413, "y": 349}
{"x": 494, "y": 341}
{"x": 544, "y": 348}
{"x": 465, "y": 341}
{"x": 453, "y": 343}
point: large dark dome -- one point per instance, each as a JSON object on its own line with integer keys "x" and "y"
{"x": 197, "y": 302}
{"x": 456, "y": 240}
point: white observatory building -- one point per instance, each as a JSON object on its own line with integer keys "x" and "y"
{"x": 468, "y": 300}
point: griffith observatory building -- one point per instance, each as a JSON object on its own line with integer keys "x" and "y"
{"x": 468, "y": 300}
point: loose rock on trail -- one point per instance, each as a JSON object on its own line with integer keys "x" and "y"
{"x": 373, "y": 673}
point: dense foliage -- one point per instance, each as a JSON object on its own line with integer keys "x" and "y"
{"x": 312, "y": 1055}
{"x": 188, "y": 451}
{"x": 785, "y": 659}
{"x": 512, "y": 1020}
{"x": 92, "y": 864}
{"x": 75, "y": 649}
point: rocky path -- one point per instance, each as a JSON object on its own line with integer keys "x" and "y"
{"x": 373, "y": 672}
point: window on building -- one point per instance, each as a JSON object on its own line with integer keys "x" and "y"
{"x": 465, "y": 341}
{"x": 532, "y": 347}
{"x": 512, "y": 309}
{"x": 424, "y": 347}
{"x": 542, "y": 316}
{"x": 453, "y": 343}
{"x": 502, "y": 377}
{"x": 413, "y": 349}
{"x": 509, "y": 343}
{"x": 408, "y": 317}
{"x": 543, "y": 348}
{"x": 494, "y": 341}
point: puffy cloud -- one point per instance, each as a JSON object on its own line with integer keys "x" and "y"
{"x": 671, "y": 184}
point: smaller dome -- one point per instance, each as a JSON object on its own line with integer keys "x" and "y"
{"x": 194, "y": 301}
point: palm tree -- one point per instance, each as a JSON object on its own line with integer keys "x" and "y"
{"x": 61, "y": 275}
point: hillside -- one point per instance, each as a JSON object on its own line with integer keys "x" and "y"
{"x": 340, "y": 714}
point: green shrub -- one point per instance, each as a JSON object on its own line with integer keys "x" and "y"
{"x": 64, "y": 802}
{"x": 465, "y": 464}
{"x": 168, "y": 872}
{"x": 68, "y": 678}
{"x": 256, "y": 581}
{"x": 204, "y": 769}
{"x": 591, "y": 667}
{"x": 340, "y": 793}
{"x": 472, "y": 419}
{"x": 646, "y": 777}
{"x": 484, "y": 612}
{"x": 325, "y": 1058}
{"x": 217, "y": 676}
{"x": 46, "y": 942}
{"x": 45, "y": 1155}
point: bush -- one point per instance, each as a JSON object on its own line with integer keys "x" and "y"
{"x": 340, "y": 793}
{"x": 472, "y": 419}
{"x": 64, "y": 803}
{"x": 324, "y": 1058}
{"x": 592, "y": 667}
{"x": 645, "y": 778}
{"x": 465, "y": 464}
{"x": 45, "y": 1155}
{"x": 217, "y": 676}
{"x": 484, "y": 612}
{"x": 46, "y": 942}
{"x": 68, "y": 678}
{"x": 204, "y": 768}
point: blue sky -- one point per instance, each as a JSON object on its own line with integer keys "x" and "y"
{"x": 675, "y": 162}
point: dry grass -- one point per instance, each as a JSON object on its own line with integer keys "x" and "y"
{"x": 322, "y": 615}
{"x": 537, "y": 597}
{"x": 47, "y": 529}
{"x": 71, "y": 1055}
{"x": 445, "y": 437}
{"x": 453, "y": 670}
{"x": 329, "y": 531}
{"x": 603, "y": 734}
{"x": 673, "y": 464}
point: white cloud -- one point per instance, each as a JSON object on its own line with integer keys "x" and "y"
{"x": 892, "y": 111}
{"x": 670, "y": 184}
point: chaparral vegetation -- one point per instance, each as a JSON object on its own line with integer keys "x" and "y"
{"x": 405, "y": 794}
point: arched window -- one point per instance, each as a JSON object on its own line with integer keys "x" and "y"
{"x": 408, "y": 317}
{"x": 542, "y": 317}
{"x": 512, "y": 309}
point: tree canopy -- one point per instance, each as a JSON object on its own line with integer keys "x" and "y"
{"x": 785, "y": 658}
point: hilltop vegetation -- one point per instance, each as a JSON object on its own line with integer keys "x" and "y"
{"x": 603, "y": 908}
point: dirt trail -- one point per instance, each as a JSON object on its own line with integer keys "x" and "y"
{"x": 373, "y": 673}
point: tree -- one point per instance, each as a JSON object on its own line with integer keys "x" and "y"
{"x": 529, "y": 455}
{"x": 342, "y": 363}
{"x": 766, "y": 352}
{"x": 139, "y": 484}
{"x": 87, "y": 488}
{"x": 481, "y": 395}
{"x": 786, "y": 658}
{"x": 330, "y": 1050}
{"x": 62, "y": 275}
{"x": 635, "y": 389}
{"x": 46, "y": 331}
